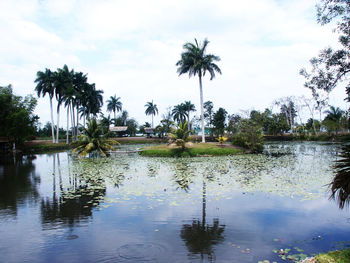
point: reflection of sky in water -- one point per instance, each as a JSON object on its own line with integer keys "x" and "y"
{"x": 130, "y": 208}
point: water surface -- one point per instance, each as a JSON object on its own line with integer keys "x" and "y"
{"x": 128, "y": 208}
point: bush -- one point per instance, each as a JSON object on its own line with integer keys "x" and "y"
{"x": 249, "y": 136}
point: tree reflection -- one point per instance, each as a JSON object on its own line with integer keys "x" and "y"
{"x": 340, "y": 186}
{"x": 74, "y": 202}
{"x": 18, "y": 181}
{"x": 199, "y": 236}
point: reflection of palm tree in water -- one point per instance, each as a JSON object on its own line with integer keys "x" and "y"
{"x": 74, "y": 203}
{"x": 200, "y": 236}
{"x": 340, "y": 186}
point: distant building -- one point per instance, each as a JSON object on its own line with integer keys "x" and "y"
{"x": 149, "y": 131}
{"x": 120, "y": 130}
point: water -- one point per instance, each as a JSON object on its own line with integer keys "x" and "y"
{"x": 128, "y": 208}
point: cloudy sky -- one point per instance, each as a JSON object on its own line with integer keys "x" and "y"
{"x": 130, "y": 48}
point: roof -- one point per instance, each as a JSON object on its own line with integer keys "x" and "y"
{"x": 149, "y": 130}
{"x": 118, "y": 128}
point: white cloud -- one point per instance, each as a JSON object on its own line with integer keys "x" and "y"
{"x": 130, "y": 48}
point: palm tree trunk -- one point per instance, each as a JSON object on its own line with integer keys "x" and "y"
{"x": 77, "y": 119}
{"x": 58, "y": 124}
{"x": 202, "y": 109}
{"x": 67, "y": 139}
{"x": 52, "y": 124}
{"x": 188, "y": 123}
{"x": 152, "y": 121}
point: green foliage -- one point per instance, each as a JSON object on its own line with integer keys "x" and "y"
{"x": 17, "y": 119}
{"x": 219, "y": 121}
{"x": 340, "y": 186}
{"x": 249, "y": 136}
{"x": 334, "y": 256}
{"x": 201, "y": 149}
{"x": 93, "y": 141}
{"x": 180, "y": 136}
{"x": 331, "y": 67}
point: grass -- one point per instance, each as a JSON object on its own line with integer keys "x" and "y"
{"x": 198, "y": 149}
{"x": 342, "y": 256}
{"x": 44, "y": 147}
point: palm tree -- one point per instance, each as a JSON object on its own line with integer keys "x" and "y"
{"x": 63, "y": 82}
{"x": 195, "y": 61}
{"x": 340, "y": 186}
{"x": 114, "y": 104}
{"x": 188, "y": 108}
{"x": 334, "y": 115}
{"x": 45, "y": 85}
{"x": 179, "y": 113}
{"x": 151, "y": 109}
{"x": 180, "y": 136}
{"x": 93, "y": 140}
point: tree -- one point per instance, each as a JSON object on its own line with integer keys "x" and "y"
{"x": 340, "y": 186}
{"x": 17, "y": 119}
{"x": 114, "y": 104}
{"x": 45, "y": 85}
{"x": 93, "y": 140}
{"x": 180, "y": 136}
{"x": 331, "y": 67}
{"x": 332, "y": 120}
{"x": 189, "y": 107}
{"x": 249, "y": 136}
{"x": 219, "y": 121}
{"x": 179, "y": 113}
{"x": 195, "y": 61}
{"x": 151, "y": 109}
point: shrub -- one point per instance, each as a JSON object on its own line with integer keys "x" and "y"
{"x": 249, "y": 136}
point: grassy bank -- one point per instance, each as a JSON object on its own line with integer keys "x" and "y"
{"x": 44, "y": 147}
{"x": 197, "y": 149}
{"x": 342, "y": 256}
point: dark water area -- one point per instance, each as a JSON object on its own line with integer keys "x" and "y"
{"x": 128, "y": 208}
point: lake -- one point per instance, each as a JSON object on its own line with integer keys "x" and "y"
{"x": 128, "y": 208}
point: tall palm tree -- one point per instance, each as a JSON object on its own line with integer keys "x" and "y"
{"x": 151, "y": 109}
{"x": 189, "y": 107}
{"x": 179, "y": 113}
{"x": 195, "y": 61}
{"x": 45, "y": 85}
{"x": 63, "y": 82}
{"x": 114, "y": 104}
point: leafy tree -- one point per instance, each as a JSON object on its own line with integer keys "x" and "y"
{"x": 249, "y": 136}
{"x": 17, "y": 119}
{"x": 151, "y": 109}
{"x": 45, "y": 85}
{"x": 93, "y": 141}
{"x": 331, "y": 67}
{"x": 132, "y": 127}
{"x": 114, "y": 104}
{"x": 277, "y": 124}
{"x": 233, "y": 121}
{"x": 219, "y": 121}
{"x": 209, "y": 112}
{"x": 195, "y": 61}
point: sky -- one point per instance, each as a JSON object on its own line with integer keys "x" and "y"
{"x": 130, "y": 48}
